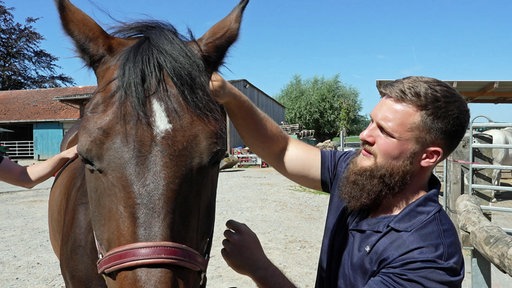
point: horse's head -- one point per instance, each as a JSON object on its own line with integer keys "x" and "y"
{"x": 151, "y": 139}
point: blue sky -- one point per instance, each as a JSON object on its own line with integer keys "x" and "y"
{"x": 361, "y": 40}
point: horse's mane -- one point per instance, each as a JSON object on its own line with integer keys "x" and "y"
{"x": 162, "y": 52}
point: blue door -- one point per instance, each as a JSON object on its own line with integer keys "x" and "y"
{"x": 47, "y": 138}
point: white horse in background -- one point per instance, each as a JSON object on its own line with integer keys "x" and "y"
{"x": 500, "y": 156}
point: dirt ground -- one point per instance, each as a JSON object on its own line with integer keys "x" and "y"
{"x": 288, "y": 220}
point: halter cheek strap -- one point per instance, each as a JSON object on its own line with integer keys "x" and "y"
{"x": 151, "y": 253}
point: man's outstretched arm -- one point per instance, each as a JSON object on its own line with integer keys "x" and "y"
{"x": 296, "y": 160}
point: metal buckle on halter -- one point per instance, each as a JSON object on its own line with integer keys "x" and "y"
{"x": 202, "y": 284}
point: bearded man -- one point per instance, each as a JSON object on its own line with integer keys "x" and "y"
{"x": 384, "y": 226}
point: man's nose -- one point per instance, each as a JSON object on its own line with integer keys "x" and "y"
{"x": 367, "y": 134}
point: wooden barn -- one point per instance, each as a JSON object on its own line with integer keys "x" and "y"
{"x": 34, "y": 121}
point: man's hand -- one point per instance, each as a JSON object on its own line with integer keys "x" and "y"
{"x": 243, "y": 252}
{"x": 220, "y": 89}
{"x": 70, "y": 153}
{"x": 242, "y": 249}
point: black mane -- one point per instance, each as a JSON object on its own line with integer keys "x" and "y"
{"x": 161, "y": 51}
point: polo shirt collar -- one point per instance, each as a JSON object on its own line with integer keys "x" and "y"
{"x": 420, "y": 210}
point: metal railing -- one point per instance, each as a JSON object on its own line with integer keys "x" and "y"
{"x": 19, "y": 149}
{"x": 473, "y": 166}
{"x": 481, "y": 266}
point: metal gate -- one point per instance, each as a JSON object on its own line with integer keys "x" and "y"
{"x": 481, "y": 267}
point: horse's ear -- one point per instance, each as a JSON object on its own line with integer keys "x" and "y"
{"x": 215, "y": 43}
{"x": 91, "y": 41}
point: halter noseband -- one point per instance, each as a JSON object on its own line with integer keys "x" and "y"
{"x": 151, "y": 253}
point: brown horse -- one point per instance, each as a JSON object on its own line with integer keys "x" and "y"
{"x": 138, "y": 210}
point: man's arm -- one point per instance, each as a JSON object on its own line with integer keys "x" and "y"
{"x": 427, "y": 272}
{"x": 295, "y": 159}
{"x": 29, "y": 176}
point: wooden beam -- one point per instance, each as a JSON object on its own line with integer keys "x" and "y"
{"x": 473, "y": 94}
{"x": 496, "y": 100}
{"x": 489, "y": 87}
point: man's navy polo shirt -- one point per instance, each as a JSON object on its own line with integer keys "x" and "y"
{"x": 418, "y": 247}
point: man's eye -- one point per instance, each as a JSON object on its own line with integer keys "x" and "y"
{"x": 386, "y": 133}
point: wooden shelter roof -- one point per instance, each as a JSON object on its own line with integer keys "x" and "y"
{"x": 479, "y": 91}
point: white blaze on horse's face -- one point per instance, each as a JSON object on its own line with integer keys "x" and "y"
{"x": 161, "y": 123}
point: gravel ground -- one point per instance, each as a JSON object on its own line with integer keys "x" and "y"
{"x": 288, "y": 220}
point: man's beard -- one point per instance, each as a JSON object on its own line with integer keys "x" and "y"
{"x": 364, "y": 188}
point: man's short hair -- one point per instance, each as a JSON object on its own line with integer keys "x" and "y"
{"x": 444, "y": 112}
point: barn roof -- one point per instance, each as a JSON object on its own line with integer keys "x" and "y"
{"x": 246, "y": 82}
{"x": 79, "y": 99}
{"x": 54, "y": 104}
{"x": 40, "y": 104}
{"x": 479, "y": 91}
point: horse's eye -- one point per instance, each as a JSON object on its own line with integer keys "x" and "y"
{"x": 217, "y": 156}
{"x": 89, "y": 165}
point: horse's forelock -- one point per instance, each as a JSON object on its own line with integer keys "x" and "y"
{"x": 159, "y": 53}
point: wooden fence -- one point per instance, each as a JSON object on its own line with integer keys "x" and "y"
{"x": 488, "y": 238}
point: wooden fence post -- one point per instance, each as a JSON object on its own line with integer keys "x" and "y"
{"x": 489, "y": 239}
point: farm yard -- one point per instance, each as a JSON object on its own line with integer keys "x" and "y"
{"x": 288, "y": 219}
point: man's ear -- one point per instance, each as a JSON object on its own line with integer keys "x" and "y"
{"x": 431, "y": 156}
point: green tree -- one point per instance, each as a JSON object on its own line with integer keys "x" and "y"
{"x": 323, "y": 105}
{"x": 23, "y": 64}
{"x": 361, "y": 123}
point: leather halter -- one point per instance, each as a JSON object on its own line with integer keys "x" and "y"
{"x": 151, "y": 253}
